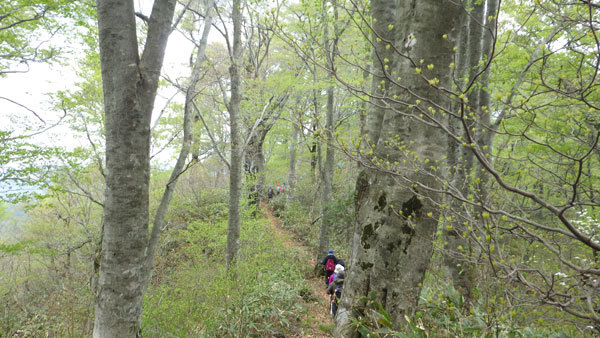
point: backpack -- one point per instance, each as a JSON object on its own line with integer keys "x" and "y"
{"x": 338, "y": 292}
{"x": 330, "y": 265}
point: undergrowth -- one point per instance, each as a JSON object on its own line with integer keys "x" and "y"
{"x": 197, "y": 296}
{"x": 441, "y": 313}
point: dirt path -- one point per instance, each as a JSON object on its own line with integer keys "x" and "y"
{"x": 317, "y": 321}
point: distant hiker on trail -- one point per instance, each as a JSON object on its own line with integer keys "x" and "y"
{"x": 329, "y": 261}
{"x": 335, "y": 290}
{"x": 338, "y": 268}
{"x": 270, "y": 193}
{"x": 278, "y": 188}
{"x": 282, "y": 187}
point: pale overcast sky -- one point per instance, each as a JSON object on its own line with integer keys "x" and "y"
{"x": 30, "y": 89}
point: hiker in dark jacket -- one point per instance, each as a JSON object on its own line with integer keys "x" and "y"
{"x": 329, "y": 265}
{"x": 335, "y": 290}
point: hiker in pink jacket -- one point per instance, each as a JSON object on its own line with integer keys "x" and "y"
{"x": 337, "y": 270}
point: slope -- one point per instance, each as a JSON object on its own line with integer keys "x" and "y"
{"x": 316, "y": 319}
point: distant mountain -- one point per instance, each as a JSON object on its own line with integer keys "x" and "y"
{"x": 11, "y": 220}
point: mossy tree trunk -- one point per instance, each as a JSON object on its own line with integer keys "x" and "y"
{"x": 397, "y": 208}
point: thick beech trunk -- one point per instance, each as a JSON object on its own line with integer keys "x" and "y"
{"x": 254, "y": 163}
{"x": 129, "y": 85}
{"x": 254, "y": 160}
{"x": 397, "y": 215}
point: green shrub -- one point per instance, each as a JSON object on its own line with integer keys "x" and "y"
{"x": 278, "y": 206}
{"x": 199, "y": 297}
{"x": 297, "y": 219}
{"x": 203, "y": 204}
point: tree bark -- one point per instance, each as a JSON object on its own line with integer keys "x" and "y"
{"x": 188, "y": 139}
{"x": 485, "y": 131}
{"x": 327, "y": 169}
{"x": 293, "y": 149}
{"x": 254, "y": 160}
{"x": 314, "y": 126}
{"x": 199, "y": 60}
{"x": 326, "y": 179}
{"x": 460, "y": 158}
{"x": 397, "y": 215}
{"x": 254, "y": 166}
{"x": 129, "y": 85}
{"x": 254, "y": 163}
{"x": 237, "y": 154}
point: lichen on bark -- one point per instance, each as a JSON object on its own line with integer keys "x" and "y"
{"x": 412, "y": 207}
{"x": 381, "y": 202}
{"x": 392, "y": 246}
{"x": 366, "y": 235}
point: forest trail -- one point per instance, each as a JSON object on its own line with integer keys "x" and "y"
{"x": 317, "y": 315}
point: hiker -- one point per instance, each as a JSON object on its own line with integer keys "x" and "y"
{"x": 330, "y": 262}
{"x": 282, "y": 188}
{"x": 278, "y": 189}
{"x": 335, "y": 290}
{"x": 338, "y": 269}
{"x": 270, "y": 193}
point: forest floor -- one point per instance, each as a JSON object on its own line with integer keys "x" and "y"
{"x": 316, "y": 320}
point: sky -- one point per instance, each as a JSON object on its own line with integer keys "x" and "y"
{"x": 31, "y": 89}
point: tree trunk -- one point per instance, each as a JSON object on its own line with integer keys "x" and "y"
{"x": 326, "y": 180}
{"x": 485, "y": 132}
{"x": 397, "y": 215}
{"x": 481, "y": 33}
{"x": 255, "y": 161}
{"x": 188, "y": 139}
{"x": 460, "y": 158}
{"x": 129, "y": 85}
{"x": 473, "y": 55}
{"x": 195, "y": 149}
{"x": 327, "y": 170}
{"x": 362, "y": 122}
{"x": 237, "y": 154}
{"x": 260, "y": 168}
{"x": 293, "y": 148}
{"x": 314, "y": 128}
{"x": 252, "y": 161}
